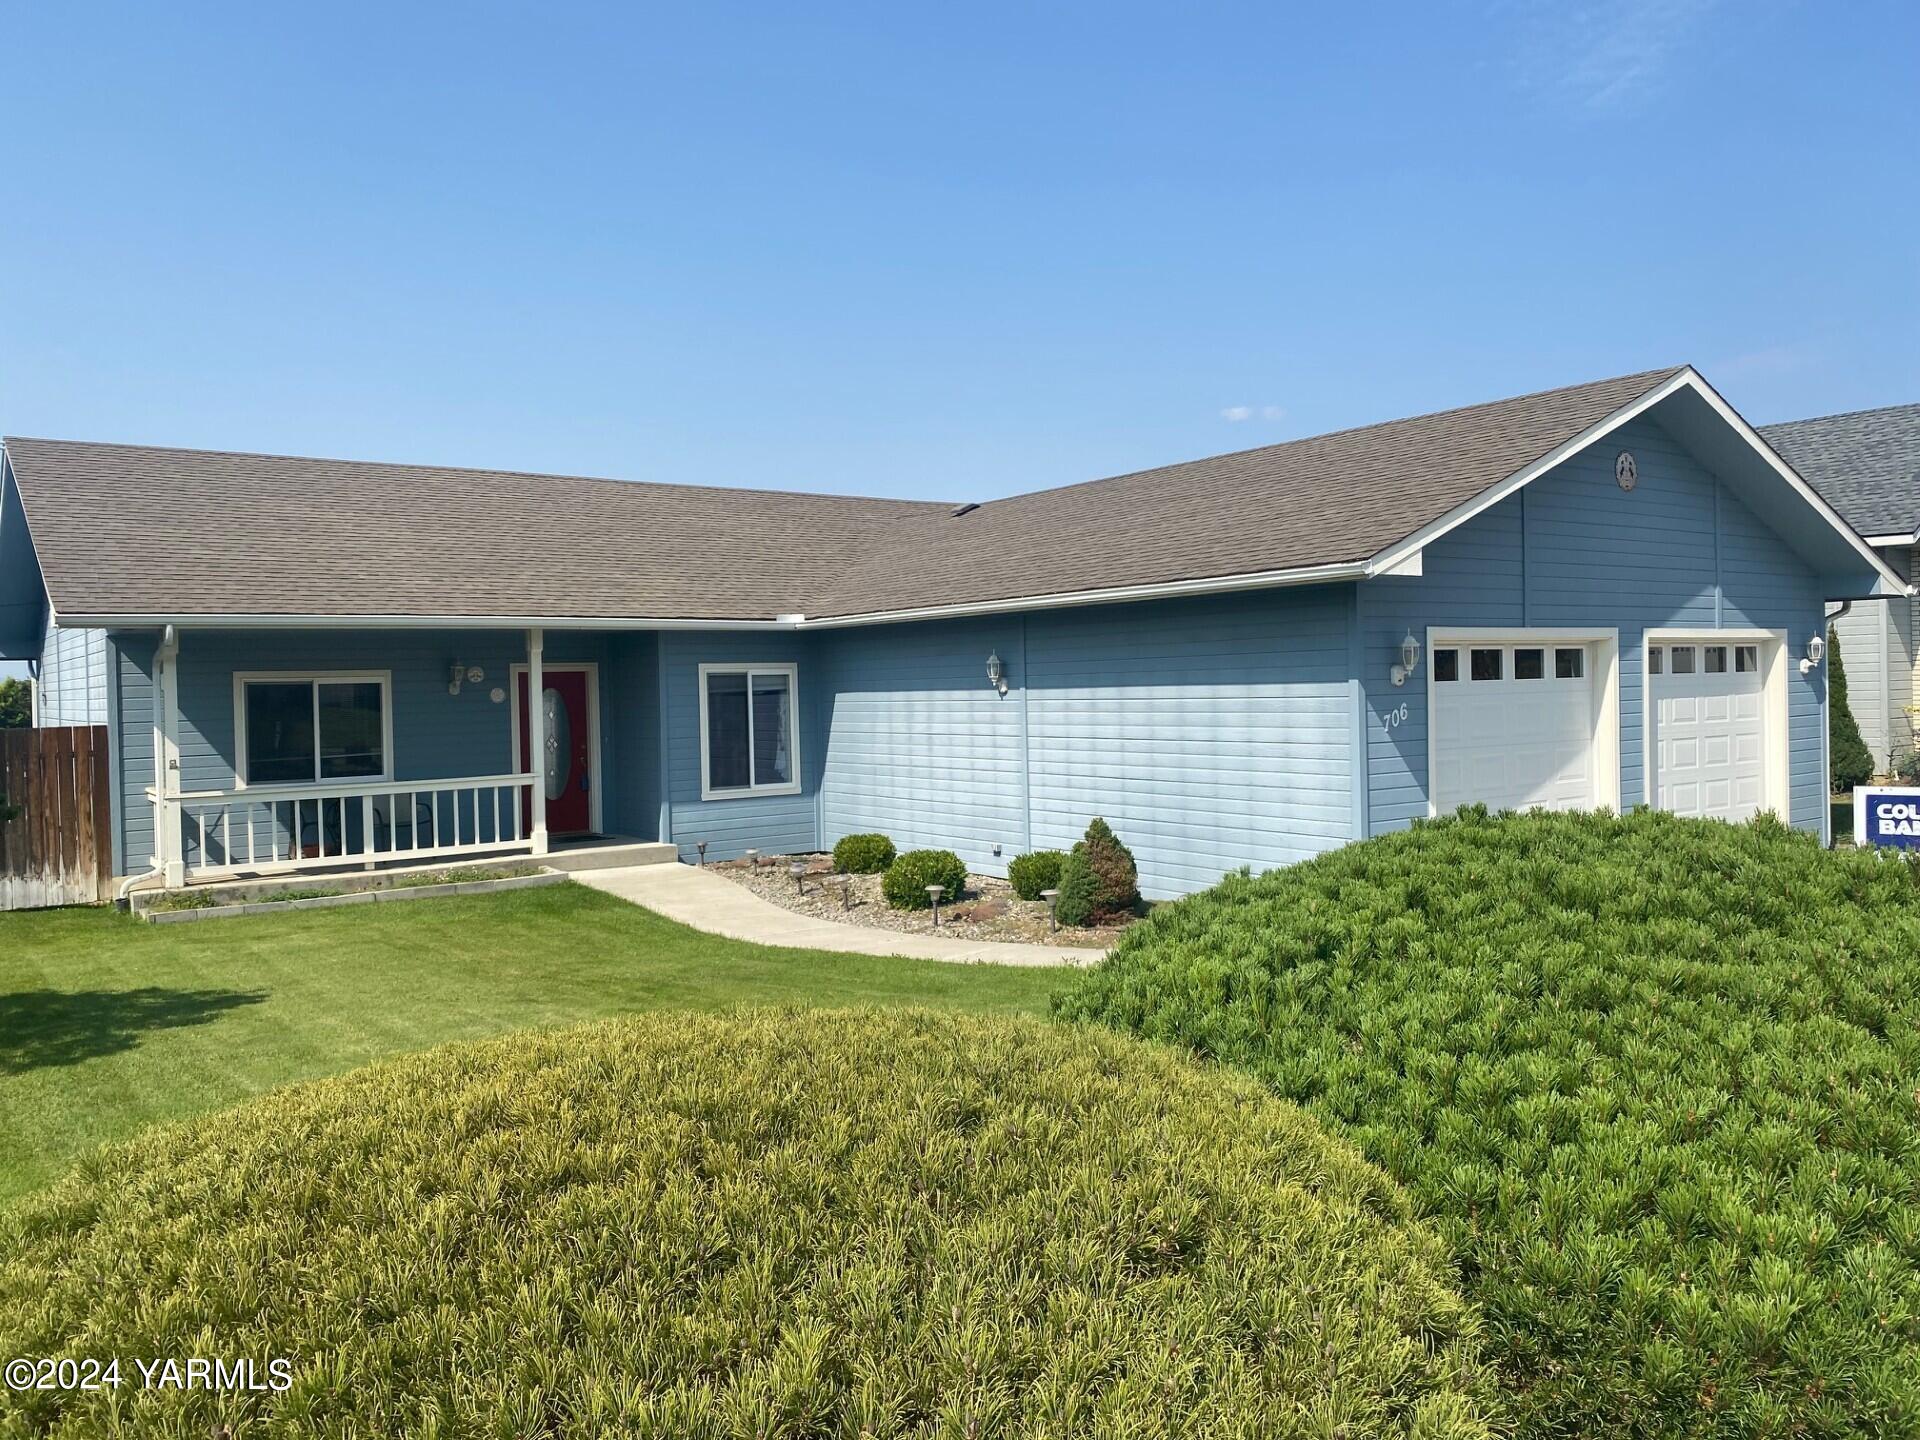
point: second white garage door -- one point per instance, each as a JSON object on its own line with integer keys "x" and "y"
{"x": 1514, "y": 725}
{"x": 1709, "y": 743}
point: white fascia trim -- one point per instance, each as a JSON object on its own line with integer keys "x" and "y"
{"x": 1211, "y": 585}
{"x": 414, "y": 622}
{"x": 1913, "y": 539}
{"x": 1685, "y": 379}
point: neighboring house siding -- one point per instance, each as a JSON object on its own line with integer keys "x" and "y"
{"x": 1877, "y": 641}
{"x": 1901, "y": 634}
{"x": 1211, "y": 733}
{"x": 1575, "y": 550}
{"x": 773, "y": 823}
{"x": 72, "y": 688}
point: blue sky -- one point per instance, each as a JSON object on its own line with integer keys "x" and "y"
{"x": 942, "y": 251}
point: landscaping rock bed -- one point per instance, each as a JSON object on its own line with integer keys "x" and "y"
{"x": 989, "y": 910}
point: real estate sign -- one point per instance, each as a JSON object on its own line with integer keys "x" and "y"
{"x": 1887, "y": 815}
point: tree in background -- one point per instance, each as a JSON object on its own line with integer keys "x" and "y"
{"x": 16, "y": 704}
{"x": 1848, "y": 756}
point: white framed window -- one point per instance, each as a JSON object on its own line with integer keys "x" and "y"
{"x": 1446, "y": 666}
{"x": 749, "y": 730}
{"x": 310, "y": 727}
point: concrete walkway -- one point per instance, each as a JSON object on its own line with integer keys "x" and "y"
{"x": 708, "y": 902}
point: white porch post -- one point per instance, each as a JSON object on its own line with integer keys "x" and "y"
{"x": 167, "y": 840}
{"x": 537, "y": 738}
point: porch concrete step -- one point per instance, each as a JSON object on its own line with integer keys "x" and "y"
{"x": 611, "y": 856}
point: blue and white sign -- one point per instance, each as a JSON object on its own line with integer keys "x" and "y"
{"x": 1887, "y": 815}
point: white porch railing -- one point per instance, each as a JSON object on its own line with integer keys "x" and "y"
{"x": 288, "y": 828}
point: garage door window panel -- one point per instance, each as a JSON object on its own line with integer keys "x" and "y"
{"x": 1569, "y": 663}
{"x": 1489, "y": 664}
{"x": 1529, "y": 664}
{"x": 1682, "y": 659}
{"x": 1446, "y": 666}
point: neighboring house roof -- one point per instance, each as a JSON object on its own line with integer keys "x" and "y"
{"x": 1866, "y": 463}
{"x": 130, "y": 534}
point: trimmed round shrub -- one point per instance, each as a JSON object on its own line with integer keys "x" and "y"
{"x": 776, "y": 1223}
{"x": 1031, "y": 873}
{"x": 862, "y": 854}
{"x": 1656, "y": 1080}
{"x": 1099, "y": 881}
{"x": 905, "y": 883}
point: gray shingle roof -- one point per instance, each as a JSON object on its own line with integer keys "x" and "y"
{"x": 135, "y": 530}
{"x": 1866, "y": 463}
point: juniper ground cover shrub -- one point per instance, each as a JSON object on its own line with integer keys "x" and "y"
{"x": 905, "y": 883}
{"x": 1038, "y": 870}
{"x": 1099, "y": 881}
{"x": 795, "y": 1223}
{"x": 862, "y": 854}
{"x": 1656, "y": 1080}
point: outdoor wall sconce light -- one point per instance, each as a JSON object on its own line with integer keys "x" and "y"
{"x": 996, "y": 674}
{"x": 1816, "y": 652}
{"x": 456, "y": 673}
{"x": 1409, "y": 660}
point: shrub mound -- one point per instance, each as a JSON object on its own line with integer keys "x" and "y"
{"x": 774, "y": 1223}
{"x": 1038, "y": 870}
{"x": 1099, "y": 881}
{"x": 1657, "y": 1080}
{"x": 862, "y": 854}
{"x": 905, "y": 883}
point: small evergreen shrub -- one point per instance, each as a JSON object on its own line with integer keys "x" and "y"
{"x": 1656, "y": 1080}
{"x": 1039, "y": 870}
{"x": 862, "y": 854}
{"x": 1850, "y": 760}
{"x": 905, "y": 883}
{"x": 1099, "y": 881}
{"x": 793, "y": 1223}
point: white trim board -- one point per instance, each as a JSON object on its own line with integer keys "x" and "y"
{"x": 1774, "y": 663}
{"x": 1603, "y": 642}
{"x": 596, "y": 772}
{"x": 751, "y": 668}
{"x": 315, "y": 678}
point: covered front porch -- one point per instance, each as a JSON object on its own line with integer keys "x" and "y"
{"x": 277, "y": 752}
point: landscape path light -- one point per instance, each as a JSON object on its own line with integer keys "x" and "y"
{"x": 934, "y": 892}
{"x": 1052, "y": 897}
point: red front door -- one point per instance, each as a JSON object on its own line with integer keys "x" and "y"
{"x": 568, "y": 769}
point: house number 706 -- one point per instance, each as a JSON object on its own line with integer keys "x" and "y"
{"x": 1396, "y": 717}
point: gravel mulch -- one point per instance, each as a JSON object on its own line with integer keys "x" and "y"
{"x": 988, "y": 911}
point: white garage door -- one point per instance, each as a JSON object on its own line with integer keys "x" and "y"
{"x": 1513, "y": 726}
{"x": 1709, "y": 729}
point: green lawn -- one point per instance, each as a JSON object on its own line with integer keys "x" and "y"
{"x": 108, "y": 1025}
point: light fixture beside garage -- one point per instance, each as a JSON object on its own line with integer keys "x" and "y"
{"x": 1816, "y": 652}
{"x": 996, "y": 675}
{"x": 1409, "y": 660}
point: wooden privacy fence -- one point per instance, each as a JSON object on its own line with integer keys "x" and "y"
{"x": 57, "y": 849}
